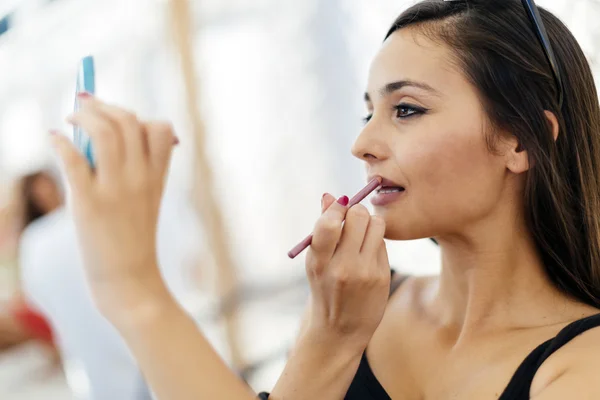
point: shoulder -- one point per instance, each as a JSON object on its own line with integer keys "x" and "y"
{"x": 572, "y": 369}
{"x": 46, "y": 233}
{"x": 411, "y": 292}
{"x": 403, "y": 310}
{"x": 46, "y": 227}
{"x": 47, "y": 249}
{"x": 403, "y": 329}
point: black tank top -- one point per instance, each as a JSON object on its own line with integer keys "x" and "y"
{"x": 365, "y": 385}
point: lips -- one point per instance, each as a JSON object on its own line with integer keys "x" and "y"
{"x": 389, "y": 186}
{"x": 388, "y": 192}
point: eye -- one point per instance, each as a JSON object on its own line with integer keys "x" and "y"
{"x": 407, "y": 110}
{"x": 403, "y": 111}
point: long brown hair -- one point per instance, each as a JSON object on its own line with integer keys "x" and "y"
{"x": 497, "y": 48}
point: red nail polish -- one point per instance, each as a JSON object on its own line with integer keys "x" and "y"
{"x": 175, "y": 141}
{"x": 343, "y": 200}
{"x": 84, "y": 95}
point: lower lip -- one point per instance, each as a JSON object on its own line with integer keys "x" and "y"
{"x": 383, "y": 199}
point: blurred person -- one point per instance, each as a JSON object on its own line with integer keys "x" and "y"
{"x": 96, "y": 360}
{"x": 486, "y": 140}
{"x": 41, "y": 196}
{"x": 36, "y": 195}
{"x": 12, "y": 333}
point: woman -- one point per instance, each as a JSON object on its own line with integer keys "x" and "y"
{"x": 39, "y": 195}
{"x": 484, "y": 143}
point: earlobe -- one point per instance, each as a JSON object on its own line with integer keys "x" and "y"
{"x": 518, "y": 161}
{"x": 517, "y": 158}
{"x": 553, "y": 123}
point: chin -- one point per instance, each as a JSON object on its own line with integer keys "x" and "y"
{"x": 403, "y": 233}
{"x": 398, "y": 228}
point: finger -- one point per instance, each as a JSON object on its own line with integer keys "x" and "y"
{"x": 108, "y": 149}
{"x": 133, "y": 138}
{"x": 374, "y": 236}
{"x": 161, "y": 139}
{"x": 328, "y": 229}
{"x": 76, "y": 167}
{"x": 355, "y": 228}
{"x": 326, "y": 201}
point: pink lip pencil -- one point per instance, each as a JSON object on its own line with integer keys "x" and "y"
{"x": 358, "y": 197}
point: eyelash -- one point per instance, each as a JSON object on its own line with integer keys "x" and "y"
{"x": 415, "y": 111}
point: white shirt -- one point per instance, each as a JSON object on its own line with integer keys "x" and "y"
{"x": 99, "y": 366}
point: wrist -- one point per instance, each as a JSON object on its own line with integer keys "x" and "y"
{"x": 329, "y": 344}
{"x": 326, "y": 337}
{"x": 130, "y": 302}
{"x": 321, "y": 365}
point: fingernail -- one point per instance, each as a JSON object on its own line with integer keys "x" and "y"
{"x": 84, "y": 95}
{"x": 175, "y": 141}
{"x": 323, "y": 199}
{"x": 343, "y": 200}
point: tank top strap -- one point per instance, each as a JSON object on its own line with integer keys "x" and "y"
{"x": 520, "y": 384}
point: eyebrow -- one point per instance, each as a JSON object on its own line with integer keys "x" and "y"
{"x": 394, "y": 86}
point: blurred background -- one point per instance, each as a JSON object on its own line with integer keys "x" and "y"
{"x": 266, "y": 98}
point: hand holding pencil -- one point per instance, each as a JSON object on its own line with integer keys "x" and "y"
{"x": 360, "y": 196}
{"x": 348, "y": 270}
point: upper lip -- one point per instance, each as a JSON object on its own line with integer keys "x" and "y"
{"x": 385, "y": 182}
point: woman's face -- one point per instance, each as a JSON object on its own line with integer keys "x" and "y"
{"x": 426, "y": 133}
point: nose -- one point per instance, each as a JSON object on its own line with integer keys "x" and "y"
{"x": 370, "y": 144}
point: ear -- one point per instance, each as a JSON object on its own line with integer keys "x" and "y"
{"x": 517, "y": 159}
{"x": 553, "y": 123}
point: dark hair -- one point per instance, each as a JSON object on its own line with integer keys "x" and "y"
{"x": 32, "y": 208}
{"x": 497, "y": 48}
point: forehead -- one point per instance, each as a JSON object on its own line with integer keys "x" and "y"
{"x": 409, "y": 55}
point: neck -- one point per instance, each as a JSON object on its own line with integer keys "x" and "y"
{"x": 494, "y": 281}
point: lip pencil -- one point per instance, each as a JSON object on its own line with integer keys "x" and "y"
{"x": 358, "y": 197}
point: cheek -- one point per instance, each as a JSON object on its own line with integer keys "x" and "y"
{"x": 450, "y": 164}
{"x": 453, "y": 179}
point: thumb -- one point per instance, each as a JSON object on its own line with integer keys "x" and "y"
{"x": 326, "y": 201}
{"x": 76, "y": 167}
